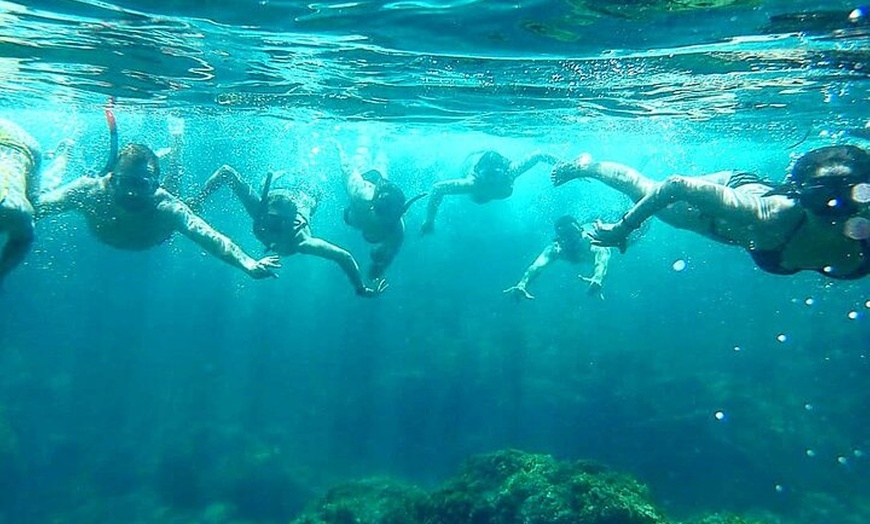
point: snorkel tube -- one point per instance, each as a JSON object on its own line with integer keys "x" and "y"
{"x": 379, "y": 180}
{"x": 264, "y": 193}
{"x": 410, "y": 202}
{"x": 113, "y": 137}
{"x": 264, "y": 209}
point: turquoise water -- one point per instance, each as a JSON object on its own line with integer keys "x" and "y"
{"x": 157, "y": 386}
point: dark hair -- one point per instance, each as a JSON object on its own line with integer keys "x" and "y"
{"x": 566, "y": 221}
{"x": 137, "y": 160}
{"x": 278, "y": 202}
{"x": 568, "y": 231}
{"x": 492, "y": 160}
{"x": 389, "y": 201}
{"x": 857, "y": 160}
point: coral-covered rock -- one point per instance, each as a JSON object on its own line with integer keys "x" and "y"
{"x": 371, "y": 501}
{"x": 513, "y": 487}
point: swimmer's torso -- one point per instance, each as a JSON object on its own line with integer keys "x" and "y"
{"x": 129, "y": 230}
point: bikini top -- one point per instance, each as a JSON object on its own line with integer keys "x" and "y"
{"x": 770, "y": 260}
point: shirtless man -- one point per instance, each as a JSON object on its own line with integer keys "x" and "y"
{"x": 573, "y": 244}
{"x": 128, "y": 209}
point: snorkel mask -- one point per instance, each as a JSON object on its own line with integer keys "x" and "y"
{"x": 568, "y": 230}
{"x": 492, "y": 163}
{"x": 826, "y": 181}
{"x": 277, "y": 216}
{"x": 135, "y": 176}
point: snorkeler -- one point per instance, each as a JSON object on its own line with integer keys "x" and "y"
{"x": 282, "y": 222}
{"x": 128, "y": 209}
{"x": 376, "y": 208}
{"x": 20, "y": 162}
{"x": 573, "y": 244}
{"x": 818, "y": 219}
{"x": 491, "y": 177}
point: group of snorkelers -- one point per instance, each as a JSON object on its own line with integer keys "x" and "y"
{"x": 817, "y": 219}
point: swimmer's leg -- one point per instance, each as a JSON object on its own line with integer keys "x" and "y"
{"x": 622, "y": 178}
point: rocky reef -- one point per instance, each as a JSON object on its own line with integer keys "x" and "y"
{"x": 505, "y": 487}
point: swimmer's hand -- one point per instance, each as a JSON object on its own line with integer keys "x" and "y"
{"x": 595, "y": 287}
{"x": 427, "y": 228}
{"x": 519, "y": 292}
{"x": 63, "y": 147}
{"x": 175, "y": 126}
{"x": 369, "y": 292}
{"x": 225, "y": 173}
{"x": 227, "y": 170}
{"x": 610, "y": 235}
{"x": 566, "y": 171}
{"x": 263, "y": 268}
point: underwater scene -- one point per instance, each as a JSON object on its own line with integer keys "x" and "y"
{"x": 434, "y": 262}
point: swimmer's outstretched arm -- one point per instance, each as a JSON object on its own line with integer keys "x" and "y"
{"x": 548, "y": 255}
{"x": 436, "y": 195}
{"x": 214, "y": 242}
{"x": 226, "y": 175}
{"x": 518, "y": 168}
{"x": 602, "y": 261}
{"x": 52, "y": 174}
{"x": 323, "y": 249}
{"x": 69, "y": 197}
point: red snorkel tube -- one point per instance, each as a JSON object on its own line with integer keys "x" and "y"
{"x": 113, "y": 136}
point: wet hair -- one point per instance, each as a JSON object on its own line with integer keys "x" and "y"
{"x": 568, "y": 230}
{"x": 491, "y": 161}
{"x": 278, "y": 202}
{"x": 566, "y": 221}
{"x": 854, "y": 159}
{"x": 139, "y": 161}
